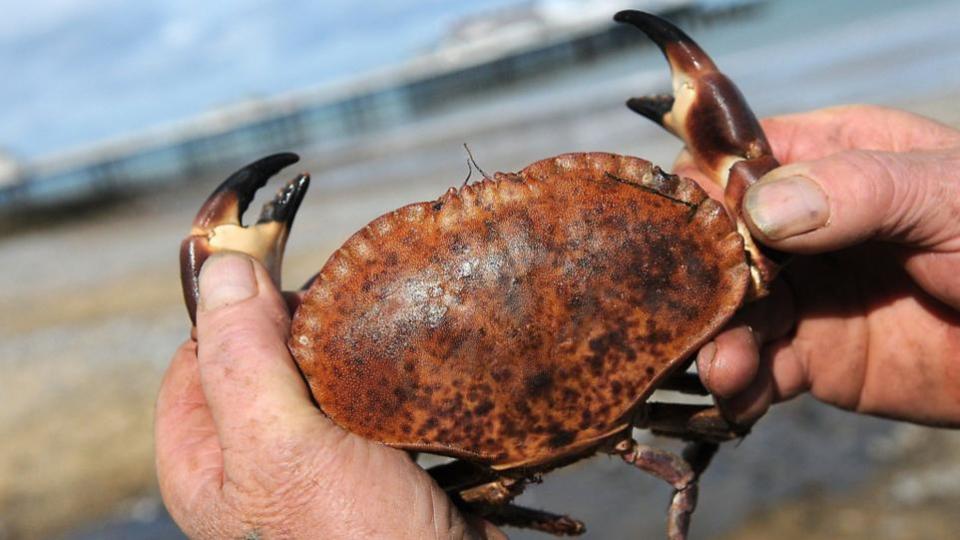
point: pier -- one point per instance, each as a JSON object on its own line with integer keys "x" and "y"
{"x": 489, "y": 53}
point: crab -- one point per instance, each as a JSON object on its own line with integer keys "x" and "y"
{"x": 521, "y": 323}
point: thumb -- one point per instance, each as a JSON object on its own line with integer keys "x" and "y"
{"x": 853, "y": 196}
{"x": 248, "y": 376}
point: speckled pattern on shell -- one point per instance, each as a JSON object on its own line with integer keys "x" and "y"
{"x": 520, "y": 319}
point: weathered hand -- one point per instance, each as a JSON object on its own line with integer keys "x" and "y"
{"x": 242, "y": 452}
{"x": 868, "y": 318}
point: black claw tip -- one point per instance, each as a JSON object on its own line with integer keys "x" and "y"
{"x": 652, "y": 107}
{"x": 659, "y": 30}
{"x": 283, "y": 207}
{"x": 680, "y": 50}
{"x": 245, "y": 182}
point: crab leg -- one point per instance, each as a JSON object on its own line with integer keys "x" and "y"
{"x": 490, "y": 499}
{"x": 680, "y": 472}
{"x": 702, "y": 422}
{"x": 218, "y": 225}
{"x": 512, "y": 515}
{"x": 711, "y": 116}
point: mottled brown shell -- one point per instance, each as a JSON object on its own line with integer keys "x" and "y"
{"x": 521, "y": 319}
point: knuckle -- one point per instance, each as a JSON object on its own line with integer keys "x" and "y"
{"x": 909, "y": 195}
{"x": 881, "y": 183}
{"x": 863, "y": 182}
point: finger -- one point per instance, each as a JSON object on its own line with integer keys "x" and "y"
{"x": 748, "y": 406}
{"x": 817, "y": 134}
{"x": 729, "y": 364}
{"x": 787, "y": 369}
{"x": 814, "y": 135}
{"x": 853, "y": 196}
{"x": 730, "y": 368}
{"x": 188, "y": 458}
{"x": 253, "y": 388}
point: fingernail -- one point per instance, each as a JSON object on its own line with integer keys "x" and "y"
{"x": 705, "y": 361}
{"x": 787, "y": 207}
{"x": 226, "y": 279}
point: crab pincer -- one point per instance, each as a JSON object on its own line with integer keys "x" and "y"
{"x": 709, "y": 113}
{"x": 218, "y": 225}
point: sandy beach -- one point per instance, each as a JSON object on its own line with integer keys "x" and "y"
{"x": 93, "y": 312}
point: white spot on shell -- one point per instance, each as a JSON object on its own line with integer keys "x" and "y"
{"x": 321, "y": 295}
{"x": 449, "y": 219}
{"x": 565, "y": 162}
{"x": 340, "y": 268}
{"x": 491, "y": 263}
{"x": 413, "y": 213}
{"x": 383, "y": 226}
{"x": 435, "y": 313}
{"x": 361, "y": 248}
{"x": 466, "y": 268}
{"x": 510, "y": 192}
{"x": 487, "y": 197}
{"x": 303, "y": 341}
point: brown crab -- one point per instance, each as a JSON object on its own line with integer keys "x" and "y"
{"x": 522, "y": 322}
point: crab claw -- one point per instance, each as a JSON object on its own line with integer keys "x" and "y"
{"x": 218, "y": 225}
{"x": 711, "y": 116}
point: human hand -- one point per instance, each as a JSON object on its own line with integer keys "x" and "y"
{"x": 242, "y": 451}
{"x": 868, "y": 319}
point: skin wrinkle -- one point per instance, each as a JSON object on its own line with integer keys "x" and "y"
{"x": 899, "y": 198}
{"x": 198, "y": 498}
{"x": 935, "y": 267}
{"x": 859, "y": 324}
{"x": 277, "y": 508}
{"x": 909, "y": 201}
{"x": 952, "y": 370}
{"x": 764, "y": 388}
{"x": 803, "y": 352}
{"x": 814, "y": 135}
{"x": 338, "y": 483}
{"x": 201, "y": 492}
{"x": 947, "y": 193}
{"x": 417, "y": 500}
{"x": 869, "y": 367}
{"x": 942, "y": 192}
{"x": 276, "y": 503}
{"x": 433, "y": 511}
{"x": 262, "y": 481}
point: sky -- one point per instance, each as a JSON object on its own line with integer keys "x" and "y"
{"x": 79, "y": 71}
